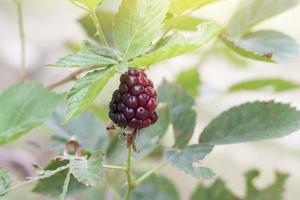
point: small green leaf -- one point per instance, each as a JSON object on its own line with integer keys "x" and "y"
{"x": 137, "y": 24}
{"x": 86, "y": 89}
{"x": 177, "y": 44}
{"x": 156, "y": 187}
{"x": 105, "y": 19}
{"x": 188, "y": 158}
{"x": 178, "y": 7}
{"x": 268, "y": 46}
{"x": 277, "y": 84}
{"x": 91, "y": 4}
{"x": 87, "y": 171}
{"x": 219, "y": 191}
{"x": 183, "y": 117}
{"x": 251, "y": 12}
{"x": 89, "y": 56}
{"x": 52, "y": 185}
{"x": 252, "y": 122}
{"x": 215, "y": 192}
{"x": 24, "y": 107}
{"x": 274, "y": 191}
{"x": 190, "y": 81}
{"x": 87, "y": 129}
{"x": 4, "y": 185}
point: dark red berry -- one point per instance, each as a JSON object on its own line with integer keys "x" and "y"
{"x": 133, "y": 104}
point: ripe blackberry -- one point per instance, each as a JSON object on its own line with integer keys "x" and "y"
{"x": 133, "y": 104}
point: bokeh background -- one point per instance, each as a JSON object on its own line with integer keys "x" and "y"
{"x": 50, "y": 25}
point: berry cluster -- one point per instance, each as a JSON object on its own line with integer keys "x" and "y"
{"x": 133, "y": 104}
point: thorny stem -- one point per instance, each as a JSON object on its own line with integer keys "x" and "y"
{"x": 22, "y": 40}
{"x": 99, "y": 31}
{"x": 130, "y": 182}
{"x": 70, "y": 77}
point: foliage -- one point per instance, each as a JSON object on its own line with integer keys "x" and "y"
{"x": 142, "y": 33}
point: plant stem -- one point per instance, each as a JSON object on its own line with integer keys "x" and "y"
{"x": 149, "y": 173}
{"x": 65, "y": 187}
{"x": 114, "y": 167}
{"x": 130, "y": 183}
{"x": 22, "y": 40}
{"x": 99, "y": 31}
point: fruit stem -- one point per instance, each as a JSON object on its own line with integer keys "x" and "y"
{"x": 130, "y": 182}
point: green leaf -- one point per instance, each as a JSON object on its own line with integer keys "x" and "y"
{"x": 252, "y": 122}
{"x": 183, "y": 117}
{"x": 91, "y": 4}
{"x": 215, "y": 192}
{"x": 219, "y": 191}
{"x": 116, "y": 151}
{"x": 274, "y": 191}
{"x": 87, "y": 171}
{"x": 137, "y": 24}
{"x": 89, "y": 56}
{"x": 87, "y": 129}
{"x": 251, "y": 12}
{"x": 270, "y": 46}
{"x": 4, "y": 185}
{"x": 105, "y": 19}
{"x": 24, "y": 107}
{"x": 178, "y": 7}
{"x": 52, "y": 186}
{"x": 185, "y": 23}
{"x": 86, "y": 89}
{"x": 188, "y": 160}
{"x": 277, "y": 84}
{"x": 177, "y": 44}
{"x": 156, "y": 187}
{"x": 190, "y": 81}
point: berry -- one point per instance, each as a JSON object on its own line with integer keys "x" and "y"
{"x": 133, "y": 104}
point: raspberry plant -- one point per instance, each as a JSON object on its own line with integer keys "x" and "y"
{"x": 126, "y": 44}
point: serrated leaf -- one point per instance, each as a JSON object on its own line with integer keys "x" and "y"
{"x": 188, "y": 160}
{"x": 216, "y": 191}
{"x": 277, "y": 85}
{"x": 89, "y": 56}
{"x": 105, "y": 19}
{"x": 179, "y": 6}
{"x": 190, "y": 81}
{"x": 251, "y": 12}
{"x": 4, "y": 185}
{"x": 252, "y": 122}
{"x": 137, "y": 24}
{"x": 273, "y": 191}
{"x": 91, "y": 4}
{"x": 270, "y": 46}
{"x": 156, "y": 187}
{"x": 87, "y": 129}
{"x": 24, "y": 107}
{"x": 87, "y": 171}
{"x": 86, "y": 89}
{"x": 183, "y": 117}
{"x": 177, "y": 44}
{"x": 52, "y": 186}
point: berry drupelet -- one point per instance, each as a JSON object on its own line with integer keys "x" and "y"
{"x": 133, "y": 104}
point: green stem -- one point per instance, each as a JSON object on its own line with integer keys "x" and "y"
{"x": 65, "y": 187}
{"x": 149, "y": 173}
{"x": 114, "y": 167}
{"x": 99, "y": 31}
{"x": 22, "y": 40}
{"x": 130, "y": 183}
